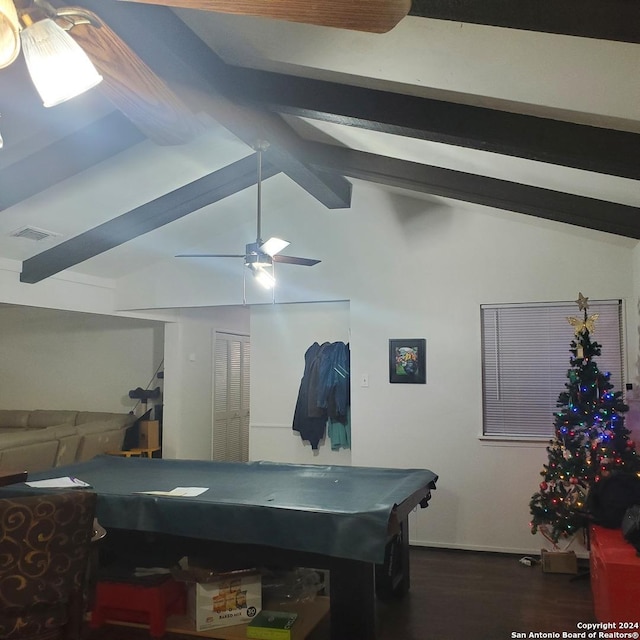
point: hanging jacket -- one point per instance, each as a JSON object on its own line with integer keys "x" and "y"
{"x": 310, "y": 427}
{"x": 324, "y": 391}
{"x": 333, "y": 391}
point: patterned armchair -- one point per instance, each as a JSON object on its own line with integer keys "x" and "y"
{"x": 45, "y": 545}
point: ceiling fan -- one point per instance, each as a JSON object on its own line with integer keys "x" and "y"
{"x": 128, "y": 82}
{"x": 135, "y": 89}
{"x": 374, "y": 16}
{"x": 260, "y": 256}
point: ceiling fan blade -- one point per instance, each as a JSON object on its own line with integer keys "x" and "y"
{"x": 131, "y": 85}
{"x": 375, "y": 16}
{"x": 273, "y": 246}
{"x": 304, "y": 262}
{"x": 211, "y": 255}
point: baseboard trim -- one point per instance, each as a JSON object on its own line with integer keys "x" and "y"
{"x": 531, "y": 551}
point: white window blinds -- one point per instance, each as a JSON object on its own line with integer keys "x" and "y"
{"x": 525, "y": 360}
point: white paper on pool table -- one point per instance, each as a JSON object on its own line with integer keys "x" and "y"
{"x": 181, "y": 492}
{"x": 64, "y": 482}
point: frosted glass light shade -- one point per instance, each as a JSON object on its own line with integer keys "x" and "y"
{"x": 265, "y": 279}
{"x": 9, "y": 33}
{"x": 263, "y": 275}
{"x": 58, "y": 66}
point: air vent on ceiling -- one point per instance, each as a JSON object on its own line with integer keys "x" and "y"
{"x": 33, "y": 233}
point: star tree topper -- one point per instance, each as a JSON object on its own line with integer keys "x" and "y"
{"x": 588, "y": 323}
{"x": 582, "y": 302}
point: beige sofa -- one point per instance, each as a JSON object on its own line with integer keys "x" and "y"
{"x": 42, "y": 439}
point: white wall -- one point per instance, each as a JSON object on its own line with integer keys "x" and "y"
{"x": 313, "y": 230}
{"x": 425, "y": 269}
{"x": 280, "y": 336}
{"x": 410, "y": 267}
{"x": 188, "y": 382}
{"x": 525, "y": 70}
{"x": 63, "y": 291}
{"x": 62, "y": 360}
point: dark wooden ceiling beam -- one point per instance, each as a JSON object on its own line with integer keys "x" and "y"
{"x": 580, "y": 146}
{"x": 66, "y": 157}
{"x": 500, "y": 194}
{"x": 147, "y": 217}
{"x": 603, "y": 19}
{"x": 581, "y": 211}
{"x": 178, "y": 56}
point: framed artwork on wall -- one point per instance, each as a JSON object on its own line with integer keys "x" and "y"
{"x": 408, "y": 360}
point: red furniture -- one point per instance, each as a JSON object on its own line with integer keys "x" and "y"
{"x": 615, "y": 576}
{"x": 145, "y": 604}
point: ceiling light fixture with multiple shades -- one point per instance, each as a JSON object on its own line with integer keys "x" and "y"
{"x": 260, "y": 257}
{"x": 58, "y": 66}
{"x": 129, "y": 82}
{"x": 9, "y": 33}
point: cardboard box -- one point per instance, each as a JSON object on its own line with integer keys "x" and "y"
{"x": 225, "y": 599}
{"x": 559, "y": 561}
{"x": 149, "y": 435}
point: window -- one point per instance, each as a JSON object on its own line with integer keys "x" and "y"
{"x": 525, "y": 359}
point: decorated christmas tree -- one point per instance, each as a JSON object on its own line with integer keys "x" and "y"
{"x": 590, "y": 443}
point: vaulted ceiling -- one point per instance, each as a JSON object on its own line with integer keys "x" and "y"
{"x": 326, "y": 123}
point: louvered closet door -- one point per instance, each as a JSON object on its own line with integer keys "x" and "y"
{"x": 230, "y": 438}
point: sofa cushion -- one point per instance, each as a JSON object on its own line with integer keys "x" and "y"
{"x": 99, "y": 442}
{"x": 47, "y": 418}
{"x": 122, "y": 419}
{"x": 62, "y": 430}
{"x": 13, "y": 418}
{"x": 41, "y": 439}
{"x": 67, "y": 450}
{"x": 17, "y": 430}
{"x": 18, "y": 437}
{"x": 99, "y": 437}
{"x": 99, "y": 427}
{"x": 35, "y": 456}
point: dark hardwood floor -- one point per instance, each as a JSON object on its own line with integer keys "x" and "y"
{"x": 459, "y": 595}
{"x": 482, "y": 596}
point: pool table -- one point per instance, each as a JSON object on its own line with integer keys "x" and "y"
{"x": 349, "y": 520}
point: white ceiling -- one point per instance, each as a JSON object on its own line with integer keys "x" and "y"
{"x": 563, "y": 77}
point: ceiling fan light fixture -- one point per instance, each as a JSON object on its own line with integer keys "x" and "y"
{"x": 256, "y": 257}
{"x": 59, "y": 68}
{"x": 273, "y": 246}
{"x": 263, "y": 275}
{"x": 9, "y": 33}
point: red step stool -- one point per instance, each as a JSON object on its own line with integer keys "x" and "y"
{"x": 615, "y": 576}
{"x": 140, "y": 603}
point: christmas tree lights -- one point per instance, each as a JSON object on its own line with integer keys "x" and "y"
{"x": 591, "y": 441}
